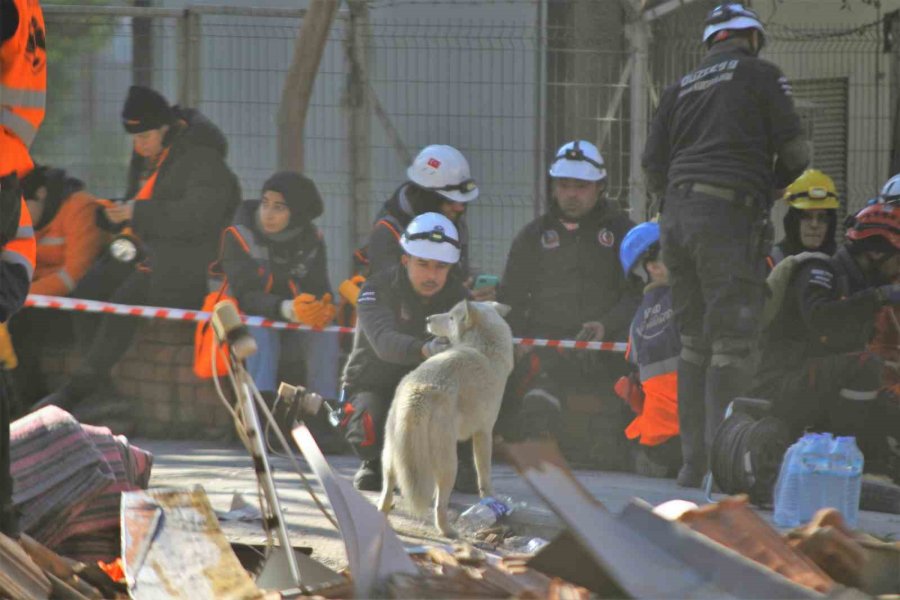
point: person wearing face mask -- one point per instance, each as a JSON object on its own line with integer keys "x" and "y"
{"x": 180, "y": 196}
{"x": 811, "y": 220}
{"x": 814, "y": 364}
{"x": 275, "y": 265}
{"x": 563, "y": 281}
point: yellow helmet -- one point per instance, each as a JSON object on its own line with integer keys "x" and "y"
{"x": 812, "y": 190}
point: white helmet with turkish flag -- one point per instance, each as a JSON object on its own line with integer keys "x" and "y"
{"x": 443, "y": 169}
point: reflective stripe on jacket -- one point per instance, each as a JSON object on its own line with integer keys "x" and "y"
{"x": 23, "y": 86}
{"x": 67, "y": 246}
{"x": 654, "y": 348}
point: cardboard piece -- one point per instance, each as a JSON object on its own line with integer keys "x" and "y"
{"x": 374, "y": 552}
{"x": 173, "y": 548}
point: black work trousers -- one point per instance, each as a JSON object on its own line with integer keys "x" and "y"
{"x": 840, "y": 393}
{"x": 714, "y": 247}
{"x": 364, "y": 415}
{"x": 107, "y": 338}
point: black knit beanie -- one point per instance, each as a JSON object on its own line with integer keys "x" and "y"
{"x": 300, "y": 194}
{"x": 145, "y": 109}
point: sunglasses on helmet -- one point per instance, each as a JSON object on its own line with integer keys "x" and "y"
{"x": 435, "y": 235}
{"x": 576, "y": 153}
{"x": 726, "y": 12}
{"x": 466, "y": 186}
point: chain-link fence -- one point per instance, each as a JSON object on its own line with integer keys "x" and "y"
{"x": 506, "y": 81}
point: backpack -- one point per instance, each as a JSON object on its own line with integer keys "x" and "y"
{"x": 780, "y": 278}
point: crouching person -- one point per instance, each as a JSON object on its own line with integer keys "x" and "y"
{"x": 275, "y": 264}
{"x": 814, "y": 365}
{"x": 391, "y": 339}
{"x": 68, "y": 242}
{"x": 653, "y": 349}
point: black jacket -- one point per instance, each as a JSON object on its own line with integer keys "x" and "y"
{"x": 556, "y": 280}
{"x": 271, "y": 269}
{"x": 194, "y": 199}
{"x": 828, "y": 308}
{"x": 384, "y": 251}
{"x": 723, "y": 124}
{"x": 390, "y": 329}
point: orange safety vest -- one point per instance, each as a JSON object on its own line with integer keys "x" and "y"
{"x": 21, "y": 250}
{"x": 23, "y": 88}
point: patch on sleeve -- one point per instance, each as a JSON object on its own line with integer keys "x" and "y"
{"x": 822, "y": 278}
{"x": 367, "y": 297}
{"x": 786, "y": 87}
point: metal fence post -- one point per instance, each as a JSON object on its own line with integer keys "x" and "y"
{"x": 356, "y": 101}
{"x": 638, "y": 33}
{"x": 190, "y": 30}
{"x": 540, "y": 120}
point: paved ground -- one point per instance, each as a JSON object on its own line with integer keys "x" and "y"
{"x": 223, "y": 470}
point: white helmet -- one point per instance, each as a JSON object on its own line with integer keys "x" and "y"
{"x": 732, "y": 15}
{"x": 579, "y": 160}
{"x": 443, "y": 169}
{"x": 891, "y": 190}
{"x": 433, "y": 237}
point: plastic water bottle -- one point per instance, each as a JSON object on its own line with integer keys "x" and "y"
{"x": 484, "y": 514}
{"x": 788, "y": 488}
{"x": 816, "y": 474}
{"x": 846, "y": 473}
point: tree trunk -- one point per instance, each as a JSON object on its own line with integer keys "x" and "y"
{"x": 298, "y": 84}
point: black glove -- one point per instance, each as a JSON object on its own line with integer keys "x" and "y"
{"x": 10, "y": 207}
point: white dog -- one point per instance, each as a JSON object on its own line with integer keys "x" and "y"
{"x": 452, "y": 396}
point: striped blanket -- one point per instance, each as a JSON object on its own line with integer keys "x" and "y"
{"x": 68, "y": 479}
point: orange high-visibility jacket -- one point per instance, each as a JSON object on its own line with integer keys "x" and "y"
{"x": 67, "y": 246}
{"x": 654, "y": 346}
{"x": 23, "y": 88}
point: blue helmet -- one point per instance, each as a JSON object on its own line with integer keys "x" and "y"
{"x": 637, "y": 241}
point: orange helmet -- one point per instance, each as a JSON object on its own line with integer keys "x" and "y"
{"x": 877, "y": 220}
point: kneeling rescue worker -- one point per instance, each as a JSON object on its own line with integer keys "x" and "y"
{"x": 391, "y": 339}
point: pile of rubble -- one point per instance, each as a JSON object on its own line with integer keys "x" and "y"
{"x": 172, "y": 546}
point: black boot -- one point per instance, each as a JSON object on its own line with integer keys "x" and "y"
{"x": 691, "y": 422}
{"x": 368, "y": 476}
{"x": 723, "y": 384}
{"x": 466, "y": 476}
{"x": 540, "y": 415}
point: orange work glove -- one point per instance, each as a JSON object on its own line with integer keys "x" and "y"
{"x": 349, "y": 288}
{"x": 308, "y": 309}
{"x": 327, "y": 313}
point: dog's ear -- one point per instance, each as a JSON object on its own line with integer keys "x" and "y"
{"x": 502, "y": 309}
{"x": 471, "y": 312}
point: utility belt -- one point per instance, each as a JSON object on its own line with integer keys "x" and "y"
{"x": 737, "y": 197}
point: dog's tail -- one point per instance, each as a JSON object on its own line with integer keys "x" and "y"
{"x": 423, "y": 443}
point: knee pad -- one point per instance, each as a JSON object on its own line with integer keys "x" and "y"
{"x": 731, "y": 352}
{"x": 694, "y": 350}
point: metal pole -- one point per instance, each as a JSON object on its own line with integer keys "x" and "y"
{"x": 540, "y": 159}
{"x": 639, "y": 34}
{"x": 263, "y": 470}
{"x": 359, "y": 126}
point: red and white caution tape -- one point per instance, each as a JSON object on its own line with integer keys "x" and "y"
{"x": 199, "y": 316}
